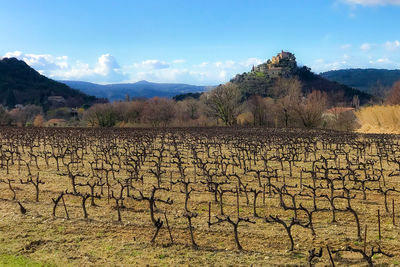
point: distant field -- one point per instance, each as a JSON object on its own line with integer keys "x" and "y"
{"x": 200, "y": 196}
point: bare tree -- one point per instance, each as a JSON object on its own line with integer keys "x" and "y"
{"x": 191, "y": 106}
{"x": 393, "y": 97}
{"x": 311, "y": 109}
{"x": 103, "y": 115}
{"x": 130, "y": 111}
{"x": 159, "y": 111}
{"x": 258, "y": 107}
{"x": 25, "y": 115}
{"x": 288, "y": 92}
{"x": 286, "y": 87}
{"x": 223, "y": 102}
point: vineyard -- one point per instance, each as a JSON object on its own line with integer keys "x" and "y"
{"x": 214, "y": 196}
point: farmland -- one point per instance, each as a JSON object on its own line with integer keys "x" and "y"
{"x": 214, "y": 196}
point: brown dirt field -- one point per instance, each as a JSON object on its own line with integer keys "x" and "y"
{"x": 102, "y": 240}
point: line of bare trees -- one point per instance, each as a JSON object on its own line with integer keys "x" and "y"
{"x": 286, "y": 107}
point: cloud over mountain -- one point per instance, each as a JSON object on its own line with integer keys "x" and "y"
{"x": 41, "y": 62}
{"x": 106, "y": 68}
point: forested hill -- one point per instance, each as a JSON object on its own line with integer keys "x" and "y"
{"x": 262, "y": 79}
{"x": 367, "y": 80}
{"x": 20, "y": 84}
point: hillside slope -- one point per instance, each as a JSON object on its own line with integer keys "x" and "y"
{"x": 367, "y": 80}
{"x": 20, "y": 84}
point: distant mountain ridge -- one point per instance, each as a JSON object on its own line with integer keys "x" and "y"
{"x": 367, "y": 80}
{"x": 21, "y": 84}
{"x": 141, "y": 89}
{"x": 261, "y": 80}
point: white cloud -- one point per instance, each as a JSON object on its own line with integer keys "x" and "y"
{"x": 385, "y": 55}
{"x": 16, "y": 54}
{"x": 172, "y": 75}
{"x": 208, "y": 73}
{"x": 230, "y": 64}
{"x": 106, "y": 69}
{"x": 41, "y": 62}
{"x": 385, "y": 63}
{"x": 345, "y": 46}
{"x": 175, "y": 75}
{"x": 179, "y": 61}
{"x": 321, "y": 65}
{"x": 372, "y": 2}
{"x": 380, "y": 61}
{"x": 106, "y": 64}
{"x": 366, "y": 47}
{"x": 203, "y": 64}
{"x": 223, "y": 75}
{"x": 392, "y": 45}
{"x": 383, "y": 60}
{"x": 152, "y": 64}
{"x": 251, "y": 62}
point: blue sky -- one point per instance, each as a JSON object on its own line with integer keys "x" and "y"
{"x": 195, "y": 41}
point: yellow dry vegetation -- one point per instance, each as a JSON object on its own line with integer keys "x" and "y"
{"x": 379, "y": 119}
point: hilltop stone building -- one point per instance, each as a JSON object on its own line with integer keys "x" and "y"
{"x": 281, "y": 56}
{"x": 280, "y": 65}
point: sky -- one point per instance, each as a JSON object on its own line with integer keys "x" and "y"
{"x": 201, "y": 42}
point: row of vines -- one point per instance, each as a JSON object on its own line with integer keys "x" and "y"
{"x": 326, "y": 193}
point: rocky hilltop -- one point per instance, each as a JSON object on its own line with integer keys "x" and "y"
{"x": 261, "y": 80}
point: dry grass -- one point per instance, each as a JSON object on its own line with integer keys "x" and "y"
{"x": 38, "y": 238}
{"x": 379, "y": 119}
